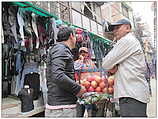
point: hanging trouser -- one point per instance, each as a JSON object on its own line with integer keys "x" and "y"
{"x": 4, "y": 89}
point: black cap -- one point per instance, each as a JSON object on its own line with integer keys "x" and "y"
{"x": 119, "y": 22}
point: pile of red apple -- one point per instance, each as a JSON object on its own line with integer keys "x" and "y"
{"x": 95, "y": 83}
{"x": 110, "y": 84}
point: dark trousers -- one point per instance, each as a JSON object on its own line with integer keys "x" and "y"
{"x": 130, "y": 107}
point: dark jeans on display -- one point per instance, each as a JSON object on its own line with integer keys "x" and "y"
{"x": 130, "y": 107}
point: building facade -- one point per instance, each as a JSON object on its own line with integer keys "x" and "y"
{"x": 144, "y": 35}
{"x": 154, "y": 61}
{"x": 113, "y": 11}
{"x": 154, "y": 9}
{"x": 83, "y": 14}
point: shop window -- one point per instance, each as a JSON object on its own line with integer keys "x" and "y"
{"x": 44, "y": 5}
{"x": 87, "y": 12}
{"x": 36, "y": 3}
{"x": 94, "y": 10}
{"x": 41, "y": 4}
{"x": 51, "y": 7}
{"x": 54, "y": 8}
{"x": 64, "y": 11}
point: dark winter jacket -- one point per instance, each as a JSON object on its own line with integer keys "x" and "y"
{"x": 62, "y": 88}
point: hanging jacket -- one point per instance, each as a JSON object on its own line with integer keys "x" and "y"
{"x": 12, "y": 21}
{"x": 33, "y": 80}
{"x": 21, "y": 24}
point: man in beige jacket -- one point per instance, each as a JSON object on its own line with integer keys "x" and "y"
{"x": 128, "y": 61}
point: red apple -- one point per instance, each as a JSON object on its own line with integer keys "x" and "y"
{"x": 84, "y": 80}
{"x": 110, "y": 90}
{"x": 102, "y": 85}
{"x": 105, "y": 90}
{"x": 103, "y": 78}
{"x": 111, "y": 77}
{"x": 98, "y": 89}
{"x": 94, "y": 84}
{"x": 91, "y": 78}
{"x": 91, "y": 89}
{"x": 85, "y": 90}
{"x": 86, "y": 84}
{"x": 111, "y": 81}
{"x": 81, "y": 81}
{"x": 97, "y": 79}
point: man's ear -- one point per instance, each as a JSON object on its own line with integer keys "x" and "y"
{"x": 128, "y": 28}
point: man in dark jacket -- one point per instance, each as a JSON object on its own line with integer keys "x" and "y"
{"x": 62, "y": 88}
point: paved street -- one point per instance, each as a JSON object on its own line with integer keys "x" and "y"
{"x": 151, "y": 109}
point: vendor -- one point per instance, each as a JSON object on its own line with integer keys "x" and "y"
{"x": 84, "y": 60}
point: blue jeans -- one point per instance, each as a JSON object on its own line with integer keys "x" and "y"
{"x": 19, "y": 63}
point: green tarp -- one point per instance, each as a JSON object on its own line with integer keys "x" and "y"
{"x": 30, "y": 7}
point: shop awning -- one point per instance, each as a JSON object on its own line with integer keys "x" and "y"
{"x": 30, "y": 7}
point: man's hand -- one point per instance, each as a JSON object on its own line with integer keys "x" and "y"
{"x": 81, "y": 57}
{"x": 113, "y": 70}
{"x": 82, "y": 91}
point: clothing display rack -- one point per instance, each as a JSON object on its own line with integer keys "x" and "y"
{"x": 30, "y": 7}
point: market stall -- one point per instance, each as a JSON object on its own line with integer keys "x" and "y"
{"x": 28, "y": 32}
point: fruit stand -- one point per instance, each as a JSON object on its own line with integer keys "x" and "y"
{"x": 98, "y": 91}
